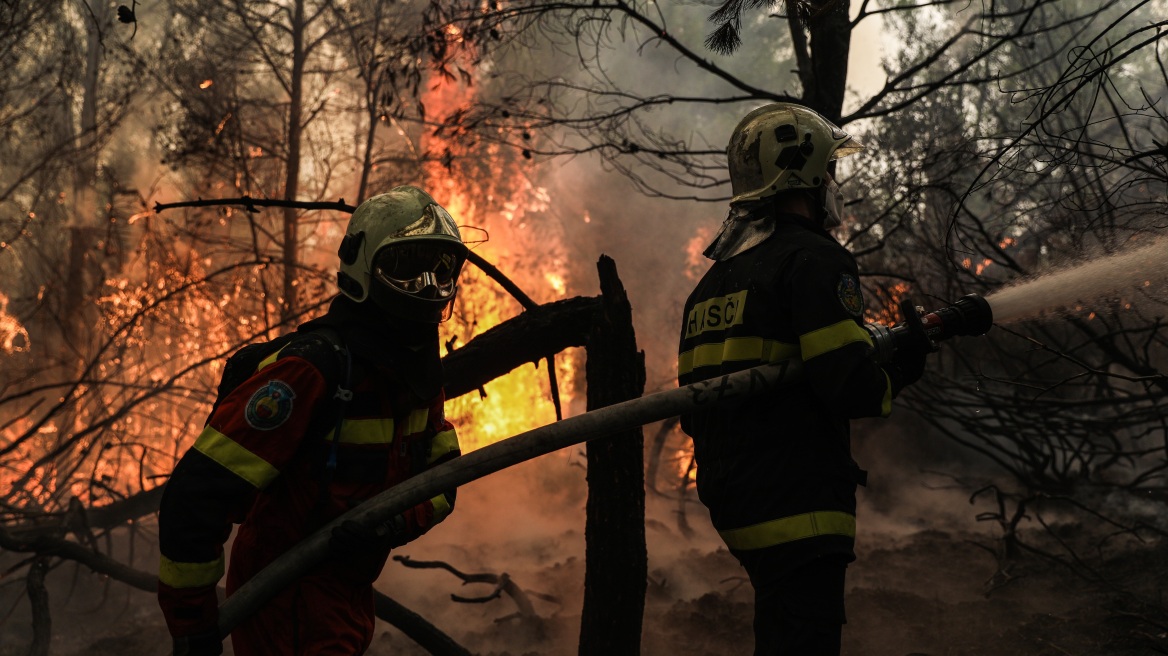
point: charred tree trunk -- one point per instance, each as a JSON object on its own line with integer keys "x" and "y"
{"x": 38, "y": 597}
{"x": 616, "y": 569}
{"x": 292, "y": 179}
{"x": 831, "y": 36}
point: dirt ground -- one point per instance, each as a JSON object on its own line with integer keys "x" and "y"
{"x": 916, "y": 589}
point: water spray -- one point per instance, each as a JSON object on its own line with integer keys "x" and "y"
{"x": 971, "y": 315}
{"x": 1135, "y": 273}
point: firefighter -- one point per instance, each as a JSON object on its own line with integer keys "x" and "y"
{"x": 271, "y": 459}
{"x": 777, "y": 475}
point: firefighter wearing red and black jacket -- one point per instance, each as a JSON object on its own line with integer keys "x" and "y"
{"x": 777, "y": 474}
{"x": 269, "y": 457}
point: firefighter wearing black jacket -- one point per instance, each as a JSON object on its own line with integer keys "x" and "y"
{"x": 271, "y": 457}
{"x": 777, "y": 475}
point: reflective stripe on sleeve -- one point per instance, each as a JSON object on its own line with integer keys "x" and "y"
{"x": 443, "y": 443}
{"x": 235, "y": 458}
{"x": 789, "y": 529}
{"x": 189, "y": 575}
{"x": 441, "y": 508}
{"x": 735, "y": 349}
{"x": 830, "y": 338}
{"x": 270, "y": 359}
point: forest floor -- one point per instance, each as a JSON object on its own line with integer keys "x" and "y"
{"x": 917, "y": 587}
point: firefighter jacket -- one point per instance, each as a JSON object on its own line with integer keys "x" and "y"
{"x": 259, "y": 463}
{"x": 777, "y": 471}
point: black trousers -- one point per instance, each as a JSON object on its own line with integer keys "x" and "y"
{"x": 801, "y": 612}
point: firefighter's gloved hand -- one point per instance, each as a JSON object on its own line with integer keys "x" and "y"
{"x": 201, "y": 644}
{"x": 361, "y": 549}
{"x": 906, "y": 368}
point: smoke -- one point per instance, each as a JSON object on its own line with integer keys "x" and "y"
{"x": 528, "y": 522}
{"x": 1128, "y": 274}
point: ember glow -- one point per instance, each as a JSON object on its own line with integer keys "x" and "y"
{"x": 13, "y": 335}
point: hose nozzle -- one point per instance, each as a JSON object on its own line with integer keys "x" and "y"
{"x": 971, "y": 315}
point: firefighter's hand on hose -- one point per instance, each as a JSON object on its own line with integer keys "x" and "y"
{"x": 906, "y": 368}
{"x": 202, "y": 644}
{"x": 360, "y": 549}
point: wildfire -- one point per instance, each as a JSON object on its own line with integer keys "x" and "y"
{"x": 13, "y": 335}
{"x": 497, "y": 203}
{"x": 888, "y": 304}
{"x": 696, "y": 263}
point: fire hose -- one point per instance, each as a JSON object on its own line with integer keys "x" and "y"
{"x": 971, "y": 315}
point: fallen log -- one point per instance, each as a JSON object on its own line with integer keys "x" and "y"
{"x": 495, "y": 457}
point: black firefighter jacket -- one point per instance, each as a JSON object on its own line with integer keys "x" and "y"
{"x": 777, "y": 470}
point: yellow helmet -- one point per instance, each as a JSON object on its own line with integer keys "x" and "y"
{"x": 404, "y": 251}
{"x": 781, "y": 147}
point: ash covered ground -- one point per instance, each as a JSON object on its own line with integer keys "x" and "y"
{"x": 918, "y": 586}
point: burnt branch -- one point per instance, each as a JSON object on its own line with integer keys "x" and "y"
{"x": 492, "y": 272}
{"x": 502, "y": 582}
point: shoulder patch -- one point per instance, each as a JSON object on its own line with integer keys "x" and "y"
{"x": 850, "y": 294}
{"x": 270, "y": 406}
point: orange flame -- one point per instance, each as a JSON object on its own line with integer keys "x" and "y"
{"x": 499, "y": 207}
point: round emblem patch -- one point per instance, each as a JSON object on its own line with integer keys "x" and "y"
{"x": 850, "y": 294}
{"x": 270, "y": 406}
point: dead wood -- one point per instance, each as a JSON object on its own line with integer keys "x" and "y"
{"x": 616, "y": 570}
{"x": 416, "y": 627}
{"x": 46, "y": 544}
{"x": 502, "y": 582}
{"x": 38, "y": 597}
{"x": 655, "y": 452}
{"x": 528, "y": 337}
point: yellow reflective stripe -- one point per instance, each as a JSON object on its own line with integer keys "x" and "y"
{"x": 735, "y": 349}
{"x": 270, "y": 359}
{"x": 235, "y": 458}
{"x": 364, "y": 431}
{"x": 417, "y": 421}
{"x": 789, "y": 529}
{"x": 378, "y": 431}
{"x": 443, "y": 443}
{"x": 830, "y": 338}
{"x": 189, "y": 575}
{"x": 886, "y": 404}
{"x": 441, "y": 508}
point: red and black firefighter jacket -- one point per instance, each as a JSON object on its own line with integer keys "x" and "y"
{"x": 259, "y": 463}
{"x": 777, "y": 471}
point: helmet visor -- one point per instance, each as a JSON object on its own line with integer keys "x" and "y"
{"x": 850, "y": 146}
{"x": 426, "y": 268}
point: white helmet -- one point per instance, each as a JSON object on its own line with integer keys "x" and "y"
{"x": 403, "y": 251}
{"x": 781, "y": 147}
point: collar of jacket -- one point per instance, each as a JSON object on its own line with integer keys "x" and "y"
{"x": 408, "y": 350}
{"x": 804, "y": 222}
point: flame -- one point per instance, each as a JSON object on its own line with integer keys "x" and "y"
{"x": 13, "y": 335}
{"x": 888, "y": 301}
{"x": 497, "y": 203}
{"x": 206, "y": 83}
{"x": 696, "y": 262}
